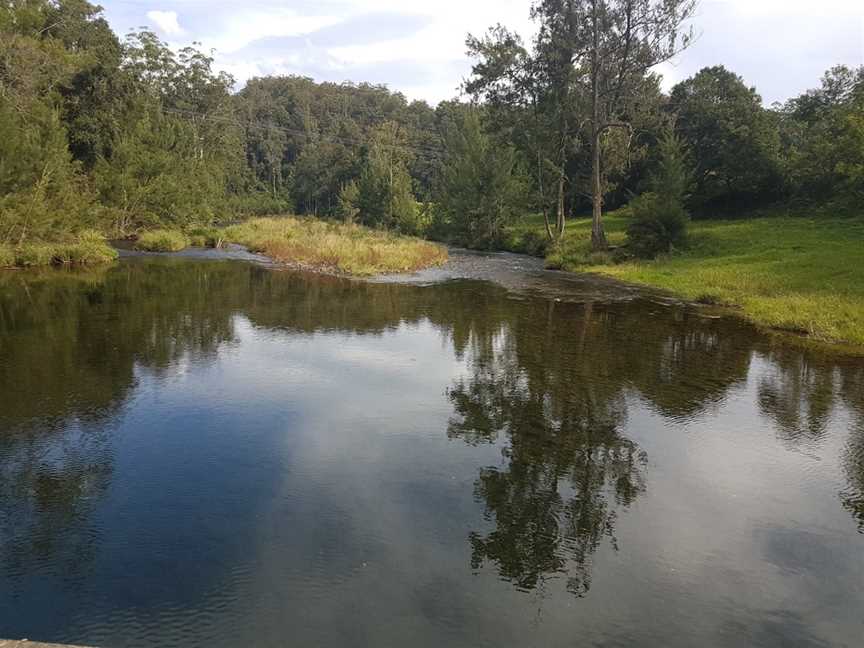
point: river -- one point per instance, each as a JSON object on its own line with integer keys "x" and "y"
{"x": 215, "y": 452}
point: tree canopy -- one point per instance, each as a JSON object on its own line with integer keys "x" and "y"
{"x": 123, "y": 134}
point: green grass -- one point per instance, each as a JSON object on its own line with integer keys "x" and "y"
{"x": 87, "y": 248}
{"x": 348, "y": 249}
{"x": 7, "y": 256}
{"x": 798, "y": 274}
{"x": 204, "y": 236}
{"x": 162, "y": 240}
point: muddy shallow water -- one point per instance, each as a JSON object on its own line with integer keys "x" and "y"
{"x": 204, "y": 451}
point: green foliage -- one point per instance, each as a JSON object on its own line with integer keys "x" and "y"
{"x": 160, "y": 176}
{"x": 7, "y": 256}
{"x": 162, "y": 240}
{"x": 384, "y": 197}
{"x": 482, "y": 188}
{"x": 310, "y": 139}
{"x": 116, "y": 136}
{"x": 34, "y": 255}
{"x": 205, "y": 236}
{"x": 658, "y": 226}
{"x": 797, "y": 272}
{"x": 349, "y": 199}
{"x": 733, "y": 139}
{"x": 88, "y": 248}
{"x": 42, "y": 194}
{"x": 659, "y": 217}
{"x": 256, "y": 203}
{"x": 823, "y": 140}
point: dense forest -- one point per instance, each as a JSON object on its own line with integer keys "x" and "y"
{"x": 119, "y": 135}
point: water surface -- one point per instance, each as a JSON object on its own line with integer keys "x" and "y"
{"x": 213, "y": 452}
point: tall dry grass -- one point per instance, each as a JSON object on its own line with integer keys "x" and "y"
{"x": 349, "y": 249}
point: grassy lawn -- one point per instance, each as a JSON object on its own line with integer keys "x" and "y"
{"x": 798, "y": 274}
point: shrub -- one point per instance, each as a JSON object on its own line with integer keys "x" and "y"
{"x": 34, "y": 254}
{"x": 257, "y": 204}
{"x": 658, "y": 226}
{"x": 349, "y": 198}
{"x": 162, "y": 241}
{"x": 659, "y": 217}
{"x": 210, "y": 237}
{"x": 7, "y": 256}
{"x": 90, "y": 249}
{"x": 534, "y": 243}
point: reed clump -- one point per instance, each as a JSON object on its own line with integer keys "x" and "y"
{"x": 340, "y": 247}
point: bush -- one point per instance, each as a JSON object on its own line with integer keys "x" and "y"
{"x": 534, "y": 243}
{"x": 258, "y": 204}
{"x": 210, "y": 237}
{"x": 90, "y": 248}
{"x": 33, "y": 255}
{"x": 659, "y": 217}
{"x": 658, "y": 226}
{"x": 7, "y": 256}
{"x": 162, "y": 241}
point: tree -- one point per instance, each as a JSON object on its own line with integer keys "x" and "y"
{"x": 659, "y": 217}
{"x": 385, "y": 197}
{"x": 349, "y": 198}
{"x": 43, "y": 193}
{"x": 822, "y": 135}
{"x": 482, "y": 187}
{"x": 608, "y": 47}
{"x": 522, "y": 93}
{"x": 590, "y": 62}
{"x": 733, "y": 139}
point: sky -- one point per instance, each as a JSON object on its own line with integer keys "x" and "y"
{"x": 782, "y": 47}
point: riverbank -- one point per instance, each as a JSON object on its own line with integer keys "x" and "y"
{"x": 309, "y": 244}
{"x": 303, "y": 243}
{"x": 335, "y": 247}
{"x": 85, "y": 249}
{"x": 795, "y": 274}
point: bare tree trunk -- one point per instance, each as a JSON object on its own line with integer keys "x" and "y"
{"x": 559, "y": 227}
{"x": 598, "y": 236}
{"x": 543, "y": 205}
{"x": 548, "y": 225}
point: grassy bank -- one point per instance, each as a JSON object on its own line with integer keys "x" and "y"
{"x": 798, "y": 274}
{"x": 303, "y": 242}
{"x": 162, "y": 240}
{"x": 349, "y": 249}
{"x": 86, "y": 249}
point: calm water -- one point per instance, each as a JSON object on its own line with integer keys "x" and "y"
{"x": 198, "y": 452}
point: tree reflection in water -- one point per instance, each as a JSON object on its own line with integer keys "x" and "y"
{"x": 549, "y": 382}
{"x": 802, "y": 391}
{"x": 556, "y": 499}
{"x": 852, "y": 388}
{"x": 70, "y": 343}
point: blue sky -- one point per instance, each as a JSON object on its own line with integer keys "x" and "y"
{"x": 780, "y": 46}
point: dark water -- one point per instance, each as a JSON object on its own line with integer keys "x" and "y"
{"x": 214, "y": 453}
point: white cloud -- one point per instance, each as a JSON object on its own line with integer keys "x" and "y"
{"x": 167, "y": 22}
{"x": 780, "y": 46}
{"x": 239, "y": 29}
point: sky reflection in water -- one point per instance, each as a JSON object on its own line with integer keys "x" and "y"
{"x": 212, "y": 452}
